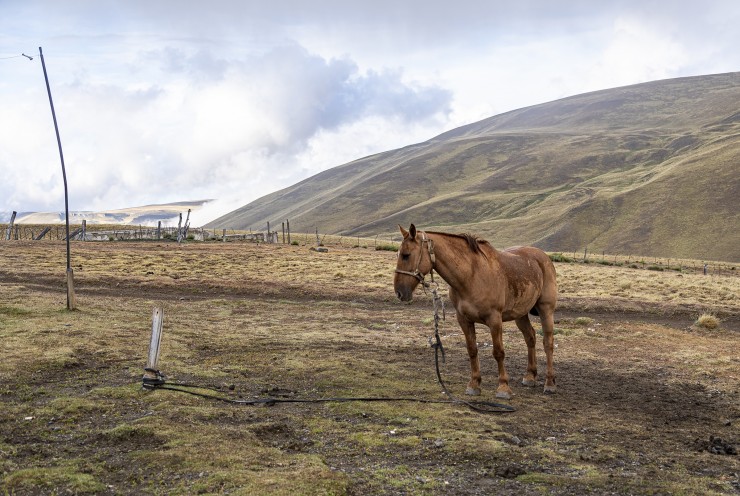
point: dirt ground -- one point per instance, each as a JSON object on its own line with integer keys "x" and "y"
{"x": 647, "y": 403}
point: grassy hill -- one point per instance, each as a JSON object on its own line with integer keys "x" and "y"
{"x": 648, "y": 169}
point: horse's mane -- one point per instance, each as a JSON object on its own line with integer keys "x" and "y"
{"x": 472, "y": 240}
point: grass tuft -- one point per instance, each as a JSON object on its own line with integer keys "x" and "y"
{"x": 13, "y": 311}
{"x": 52, "y": 479}
{"x": 583, "y": 321}
{"x": 707, "y": 321}
{"x": 559, "y": 257}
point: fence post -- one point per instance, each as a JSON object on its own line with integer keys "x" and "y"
{"x": 186, "y": 227}
{"x": 10, "y": 226}
{"x": 151, "y": 372}
{"x": 283, "y": 232}
{"x": 179, "y": 229}
{"x": 287, "y": 222}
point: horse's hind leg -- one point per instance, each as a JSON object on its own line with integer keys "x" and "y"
{"x": 530, "y": 337}
{"x": 548, "y": 341}
{"x": 468, "y": 329}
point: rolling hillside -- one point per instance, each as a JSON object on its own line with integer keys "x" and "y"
{"x": 649, "y": 169}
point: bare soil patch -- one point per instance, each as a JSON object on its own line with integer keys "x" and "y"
{"x": 646, "y": 403}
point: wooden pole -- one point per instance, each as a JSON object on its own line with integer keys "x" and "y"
{"x": 70, "y": 276}
{"x": 42, "y": 233}
{"x": 10, "y": 226}
{"x": 71, "y": 298}
{"x": 287, "y": 222}
{"x": 179, "y": 229}
{"x": 151, "y": 372}
{"x": 187, "y": 226}
{"x": 283, "y": 232}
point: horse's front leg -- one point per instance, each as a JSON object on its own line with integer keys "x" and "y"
{"x": 468, "y": 329}
{"x": 496, "y": 326}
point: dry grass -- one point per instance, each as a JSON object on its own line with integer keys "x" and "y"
{"x": 281, "y": 319}
{"x": 707, "y": 321}
{"x": 650, "y": 287}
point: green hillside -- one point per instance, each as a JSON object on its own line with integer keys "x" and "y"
{"x": 649, "y": 169}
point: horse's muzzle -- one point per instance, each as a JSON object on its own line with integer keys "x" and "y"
{"x": 404, "y": 295}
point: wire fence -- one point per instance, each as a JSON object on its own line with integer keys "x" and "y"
{"x": 659, "y": 264}
{"x": 388, "y": 242}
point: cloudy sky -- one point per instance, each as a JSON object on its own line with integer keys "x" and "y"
{"x": 170, "y": 100}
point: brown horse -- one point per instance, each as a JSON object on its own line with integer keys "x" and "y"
{"x": 487, "y": 286}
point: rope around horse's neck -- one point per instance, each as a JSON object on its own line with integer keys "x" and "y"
{"x": 478, "y": 406}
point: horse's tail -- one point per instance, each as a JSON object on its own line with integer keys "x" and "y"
{"x": 534, "y": 312}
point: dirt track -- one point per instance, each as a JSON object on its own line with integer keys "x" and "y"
{"x": 646, "y": 404}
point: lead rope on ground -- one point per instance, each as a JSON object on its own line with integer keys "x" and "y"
{"x": 478, "y": 406}
{"x": 157, "y": 380}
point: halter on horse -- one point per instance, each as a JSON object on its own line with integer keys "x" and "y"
{"x": 487, "y": 286}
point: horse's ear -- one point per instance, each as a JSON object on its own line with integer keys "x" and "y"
{"x": 412, "y": 231}
{"x": 404, "y": 232}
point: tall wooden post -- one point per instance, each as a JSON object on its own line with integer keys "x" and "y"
{"x": 283, "y": 232}
{"x": 287, "y": 222}
{"x": 71, "y": 303}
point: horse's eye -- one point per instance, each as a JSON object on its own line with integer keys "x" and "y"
{"x": 405, "y": 256}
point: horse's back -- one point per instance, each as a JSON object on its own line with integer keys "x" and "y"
{"x": 519, "y": 256}
{"x": 526, "y": 254}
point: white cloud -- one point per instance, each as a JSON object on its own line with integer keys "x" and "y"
{"x": 167, "y": 101}
{"x": 636, "y": 53}
{"x": 208, "y": 124}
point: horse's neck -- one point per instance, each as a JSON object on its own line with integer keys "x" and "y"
{"x": 452, "y": 260}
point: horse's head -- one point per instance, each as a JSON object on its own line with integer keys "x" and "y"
{"x": 414, "y": 262}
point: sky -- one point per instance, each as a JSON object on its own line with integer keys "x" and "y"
{"x": 160, "y": 101}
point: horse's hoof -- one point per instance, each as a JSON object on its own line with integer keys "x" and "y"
{"x": 504, "y": 395}
{"x": 472, "y": 391}
{"x": 529, "y": 382}
{"x": 549, "y": 390}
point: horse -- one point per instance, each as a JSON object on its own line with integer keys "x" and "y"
{"x": 486, "y": 286}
